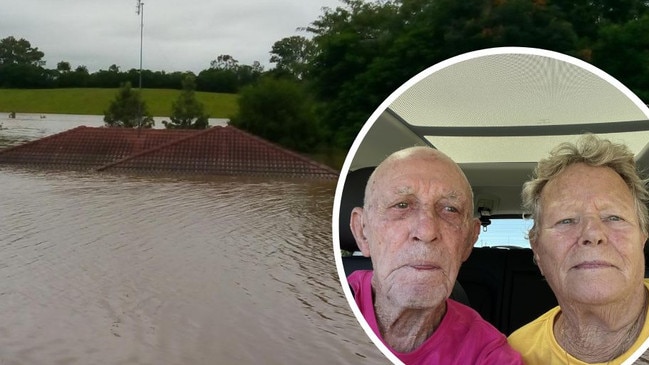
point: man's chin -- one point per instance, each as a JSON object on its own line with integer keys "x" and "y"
{"x": 419, "y": 297}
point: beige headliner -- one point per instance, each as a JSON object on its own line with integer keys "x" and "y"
{"x": 498, "y": 111}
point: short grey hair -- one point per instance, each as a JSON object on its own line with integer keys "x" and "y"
{"x": 593, "y": 151}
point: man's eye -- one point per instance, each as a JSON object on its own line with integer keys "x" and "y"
{"x": 451, "y": 209}
{"x": 402, "y": 205}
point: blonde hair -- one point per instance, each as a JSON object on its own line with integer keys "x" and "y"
{"x": 593, "y": 151}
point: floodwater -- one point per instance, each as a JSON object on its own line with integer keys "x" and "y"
{"x": 122, "y": 269}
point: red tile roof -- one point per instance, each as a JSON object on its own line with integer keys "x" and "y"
{"x": 214, "y": 151}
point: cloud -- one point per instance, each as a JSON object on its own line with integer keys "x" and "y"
{"x": 177, "y": 36}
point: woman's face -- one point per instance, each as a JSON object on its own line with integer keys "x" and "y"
{"x": 589, "y": 244}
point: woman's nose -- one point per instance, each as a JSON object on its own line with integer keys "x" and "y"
{"x": 593, "y": 231}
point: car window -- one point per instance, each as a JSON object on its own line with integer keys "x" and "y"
{"x": 505, "y": 232}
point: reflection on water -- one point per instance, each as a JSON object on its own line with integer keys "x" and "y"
{"x": 114, "y": 269}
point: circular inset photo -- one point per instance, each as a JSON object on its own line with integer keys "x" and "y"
{"x": 493, "y": 210}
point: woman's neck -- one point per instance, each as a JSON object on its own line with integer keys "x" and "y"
{"x": 601, "y": 334}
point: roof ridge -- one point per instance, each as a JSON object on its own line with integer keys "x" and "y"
{"x": 285, "y": 150}
{"x": 155, "y": 148}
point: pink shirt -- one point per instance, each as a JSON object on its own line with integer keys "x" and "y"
{"x": 462, "y": 337}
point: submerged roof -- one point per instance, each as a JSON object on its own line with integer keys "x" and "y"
{"x": 214, "y": 151}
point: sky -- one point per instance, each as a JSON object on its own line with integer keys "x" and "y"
{"x": 177, "y": 35}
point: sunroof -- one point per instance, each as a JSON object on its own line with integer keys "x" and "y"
{"x": 519, "y": 149}
{"x": 515, "y": 105}
{"x": 516, "y": 89}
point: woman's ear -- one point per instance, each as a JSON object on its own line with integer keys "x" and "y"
{"x": 532, "y": 235}
{"x": 358, "y": 230}
{"x": 535, "y": 257}
{"x": 537, "y": 261}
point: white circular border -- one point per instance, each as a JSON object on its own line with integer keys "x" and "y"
{"x": 361, "y": 136}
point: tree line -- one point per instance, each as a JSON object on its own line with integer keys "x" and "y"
{"x": 358, "y": 53}
{"x": 328, "y": 79}
{"x": 22, "y": 67}
{"x": 365, "y": 50}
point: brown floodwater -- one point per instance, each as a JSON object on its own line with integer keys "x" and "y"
{"x": 121, "y": 269}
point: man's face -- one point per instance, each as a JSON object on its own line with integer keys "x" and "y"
{"x": 589, "y": 244}
{"x": 417, "y": 228}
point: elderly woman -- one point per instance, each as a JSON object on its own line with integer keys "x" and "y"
{"x": 590, "y": 226}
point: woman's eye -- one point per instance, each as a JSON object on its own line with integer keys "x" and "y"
{"x": 613, "y": 218}
{"x": 566, "y": 221}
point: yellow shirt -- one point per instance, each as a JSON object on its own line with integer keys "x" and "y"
{"x": 537, "y": 344}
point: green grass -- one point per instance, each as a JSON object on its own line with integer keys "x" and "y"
{"x": 96, "y": 101}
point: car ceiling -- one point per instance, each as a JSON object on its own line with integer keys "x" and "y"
{"x": 497, "y": 112}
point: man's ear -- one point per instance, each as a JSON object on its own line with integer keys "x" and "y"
{"x": 473, "y": 238}
{"x": 358, "y": 230}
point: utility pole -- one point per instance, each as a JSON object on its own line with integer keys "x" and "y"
{"x": 140, "y": 12}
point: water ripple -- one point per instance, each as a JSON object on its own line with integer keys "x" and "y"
{"x": 117, "y": 269}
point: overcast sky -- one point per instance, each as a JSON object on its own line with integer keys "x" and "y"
{"x": 178, "y": 35}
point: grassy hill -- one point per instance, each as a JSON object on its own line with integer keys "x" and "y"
{"x": 95, "y": 101}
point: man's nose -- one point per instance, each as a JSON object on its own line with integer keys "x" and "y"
{"x": 593, "y": 231}
{"x": 426, "y": 226}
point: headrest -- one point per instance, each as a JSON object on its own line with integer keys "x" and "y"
{"x": 352, "y": 196}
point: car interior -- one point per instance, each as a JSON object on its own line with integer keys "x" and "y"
{"x": 496, "y": 113}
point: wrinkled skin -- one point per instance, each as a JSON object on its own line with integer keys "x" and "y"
{"x": 417, "y": 227}
{"x": 590, "y": 244}
{"x": 590, "y": 248}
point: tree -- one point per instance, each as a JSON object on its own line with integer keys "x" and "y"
{"x": 24, "y": 76}
{"x": 622, "y": 50}
{"x": 77, "y": 78}
{"x": 226, "y": 75}
{"x": 217, "y": 80}
{"x": 291, "y": 55}
{"x": 281, "y": 111}
{"x": 364, "y": 51}
{"x": 21, "y": 52}
{"x": 247, "y": 75}
{"x": 586, "y": 16}
{"x": 128, "y": 110}
{"x": 224, "y": 62}
{"x": 108, "y": 78}
{"x": 187, "y": 112}
{"x": 63, "y": 66}
{"x": 21, "y": 65}
{"x": 347, "y": 40}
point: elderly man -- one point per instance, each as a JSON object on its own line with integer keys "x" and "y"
{"x": 417, "y": 226}
{"x": 589, "y": 207}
